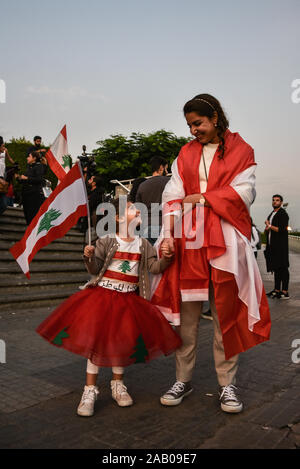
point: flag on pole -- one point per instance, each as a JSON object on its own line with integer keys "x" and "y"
{"x": 56, "y": 217}
{"x": 57, "y": 156}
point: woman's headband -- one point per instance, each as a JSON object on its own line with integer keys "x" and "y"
{"x": 203, "y": 100}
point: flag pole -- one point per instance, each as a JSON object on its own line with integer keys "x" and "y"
{"x": 88, "y": 208}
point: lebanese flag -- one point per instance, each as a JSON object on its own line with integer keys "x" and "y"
{"x": 224, "y": 256}
{"x": 58, "y": 214}
{"x": 58, "y": 157}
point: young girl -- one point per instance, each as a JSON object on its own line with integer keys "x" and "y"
{"x": 109, "y": 323}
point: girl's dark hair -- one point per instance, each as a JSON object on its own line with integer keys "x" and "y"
{"x": 206, "y": 105}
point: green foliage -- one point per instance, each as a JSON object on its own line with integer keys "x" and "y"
{"x": 263, "y": 238}
{"x": 18, "y": 148}
{"x": 120, "y": 157}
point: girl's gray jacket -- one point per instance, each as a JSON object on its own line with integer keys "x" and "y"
{"x": 104, "y": 253}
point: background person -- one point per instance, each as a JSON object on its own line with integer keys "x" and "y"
{"x": 150, "y": 192}
{"x": 37, "y": 146}
{"x": 32, "y": 186}
{"x": 277, "y": 248}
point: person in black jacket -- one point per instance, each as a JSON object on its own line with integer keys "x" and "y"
{"x": 32, "y": 186}
{"x": 277, "y": 249}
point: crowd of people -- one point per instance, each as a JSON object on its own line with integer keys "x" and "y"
{"x": 32, "y": 181}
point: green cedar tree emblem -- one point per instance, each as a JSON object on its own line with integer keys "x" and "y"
{"x": 59, "y": 338}
{"x": 141, "y": 351}
{"x": 67, "y": 161}
{"x": 49, "y": 217}
{"x": 125, "y": 267}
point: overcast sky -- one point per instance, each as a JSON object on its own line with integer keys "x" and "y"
{"x": 130, "y": 65}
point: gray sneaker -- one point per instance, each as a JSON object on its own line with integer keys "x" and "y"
{"x": 229, "y": 399}
{"x": 176, "y": 393}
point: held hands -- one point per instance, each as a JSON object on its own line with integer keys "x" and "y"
{"x": 168, "y": 247}
{"x": 89, "y": 251}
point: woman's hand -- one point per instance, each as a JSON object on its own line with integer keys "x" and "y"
{"x": 89, "y": 251}
{"x": 192, "y": 199}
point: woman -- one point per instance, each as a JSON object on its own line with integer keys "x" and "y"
{"x": 32, "y": 186}
{"x": 214, "y": 176}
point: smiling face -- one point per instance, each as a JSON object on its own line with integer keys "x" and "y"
{"x": 203, "y": 128}
{"x": 132, "y": 213}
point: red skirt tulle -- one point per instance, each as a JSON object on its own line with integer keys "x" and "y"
{"x": 110, "y": 328}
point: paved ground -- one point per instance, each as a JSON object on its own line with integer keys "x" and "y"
{"x": 41, "y": 386}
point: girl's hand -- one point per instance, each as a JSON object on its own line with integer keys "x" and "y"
{"x": 89, "y": 251}
{"x": 168, "y": 247}
{"x": 24, "y": 178}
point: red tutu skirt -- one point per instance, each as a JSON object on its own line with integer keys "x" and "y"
{"x": 110, "y": 328}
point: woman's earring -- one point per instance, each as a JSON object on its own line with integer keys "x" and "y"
{"x": 216, "y": 125}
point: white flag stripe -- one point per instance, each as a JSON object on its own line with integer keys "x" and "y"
{"x": 67, "y": 203}
{"x": 59, "y": 149}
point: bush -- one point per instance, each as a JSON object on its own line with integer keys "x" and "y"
{"x": 119, "y": 157}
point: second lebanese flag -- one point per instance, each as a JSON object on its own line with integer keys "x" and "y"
{"x": 57, "y": 156}
{"x": 58, "y": 214}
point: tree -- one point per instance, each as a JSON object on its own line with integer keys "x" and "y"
{"x": 58, "y": 340}
{"x": 141, "y": 351}
{"x": 119, "y": 157}
{"x": 125, "y": 267}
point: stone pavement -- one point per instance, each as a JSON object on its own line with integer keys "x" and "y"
{"x": 41, "y": 386}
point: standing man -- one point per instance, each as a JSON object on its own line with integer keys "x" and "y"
{"x": 150, "y": 192}
{"x": 37, "y": 146}
{"x": 277, "y": 250}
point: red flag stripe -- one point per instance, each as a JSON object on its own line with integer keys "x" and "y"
{"x": 119, "y": 276}
{"x": 127, "y": 255}
{"x": 55, "y": 166}
{"x": 71, "y": 177}
{"x": 64, "y": 132}
{"x": 56, "y": 232}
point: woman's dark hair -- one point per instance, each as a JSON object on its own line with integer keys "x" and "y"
{"x": 36, "y": 155}
{"x": 206, "y": 105}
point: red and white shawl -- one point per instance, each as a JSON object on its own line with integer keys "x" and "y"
{"x": 225, "y": 256}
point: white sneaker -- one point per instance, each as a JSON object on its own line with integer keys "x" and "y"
{"x": 89, "y": 397}
{"x": 119, "y": 393}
